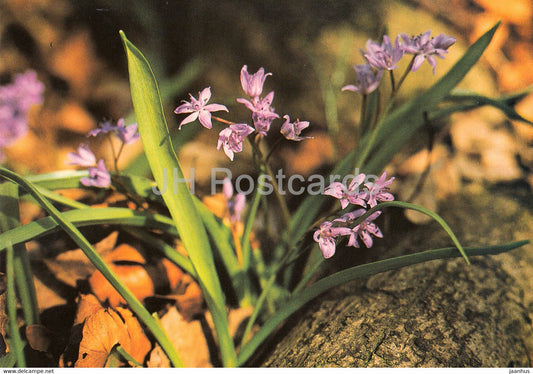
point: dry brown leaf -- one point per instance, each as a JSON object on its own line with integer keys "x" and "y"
{"x": 106, "y": 328}
{"x": 39, "y": 337}
{"x": 188, "y": 339}
{"x": 70, "y": 266}
{"x": 188, "y": 298}
{"x": 141, "y": 277}
{"x": 87, "y": 306}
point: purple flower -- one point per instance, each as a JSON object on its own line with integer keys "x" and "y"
{"x": 257, "y": 104}
{"x": 231, "y": 138}
{"x": 28, "y": 90}
{"x": 325, "y": 237}
{"x": 367, "y": 79}
{"x": 128, "y": 134}
{"x": 199, "y": 109}
{"x": 15, "y": 101}
{"x": 384, "y": 56}
{"x": 262, "y": 121}
{"x": 262, "y": 111}
{"x": 253, "y": 84}
{"x": 98, "y": 176}
{"x": 84, "y": 157}
{"x": 13, "y": 126}
{"x": 347, "y": 195}
{"x": 425, "y": 48}
{"x": 235, "y": 203}
{"x": 364, "y": 231}
{"x": 292, "y": 131}
{"x": 378, "y": 190}
{"x": 104, "y": 128}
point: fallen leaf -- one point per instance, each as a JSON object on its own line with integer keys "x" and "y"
{"x": 106, "y": 328}
{"x": 143, "y": 278}
{"x": 87, "y": 305}
{"x": 187, "y": 337}
{"x": 71, "y": 266}
{"x": 39, "y": 337}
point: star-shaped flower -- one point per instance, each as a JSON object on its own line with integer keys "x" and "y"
{"x": 378, "y": 190}
{"x": 199, "y": 109}
{"x": 384, "y": 56}
{"x": 425, "y": 48}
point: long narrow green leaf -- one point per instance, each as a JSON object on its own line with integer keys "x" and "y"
{"x": 88, "y": 217}
{"x": 162, "y": 159}
{"x": 9, "y": 214}
{"x": 481, "y": 100}
{"x": 421, "y": 209}
{"x": 17, "y": 343}
{"x": 99, "y": 263}
{"x": 142, "y": 187}
{"x": 342, "y": 277}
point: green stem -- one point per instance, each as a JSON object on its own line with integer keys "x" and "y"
{"x": 264, "y": 167}
{"x": 362, "y": 125}
{"x": 405, "y": 73}
{"x": 392, "y": 84}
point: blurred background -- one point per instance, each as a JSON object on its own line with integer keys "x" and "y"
{"x": 310, "y": 46}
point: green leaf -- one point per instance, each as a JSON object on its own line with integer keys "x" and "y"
{"x": 462, "y": 96}
{"x": 98, "y": 262}
{"x": 8, "y": 360}
{"x": 88, "y": 217}
{"x": 162, "y": 159}
{"x": 344, "y": 276}
{"x": 9, "y": 218}
{"x": 418, "y": 208}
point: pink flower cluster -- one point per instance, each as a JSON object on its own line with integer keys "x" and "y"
{"x": 359, "y": 192}
{"x": 15, "y": 101}
{"x": 232, "y": 137}
{"x": 98, "y": 174}
{"x": 385, "y": 56}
